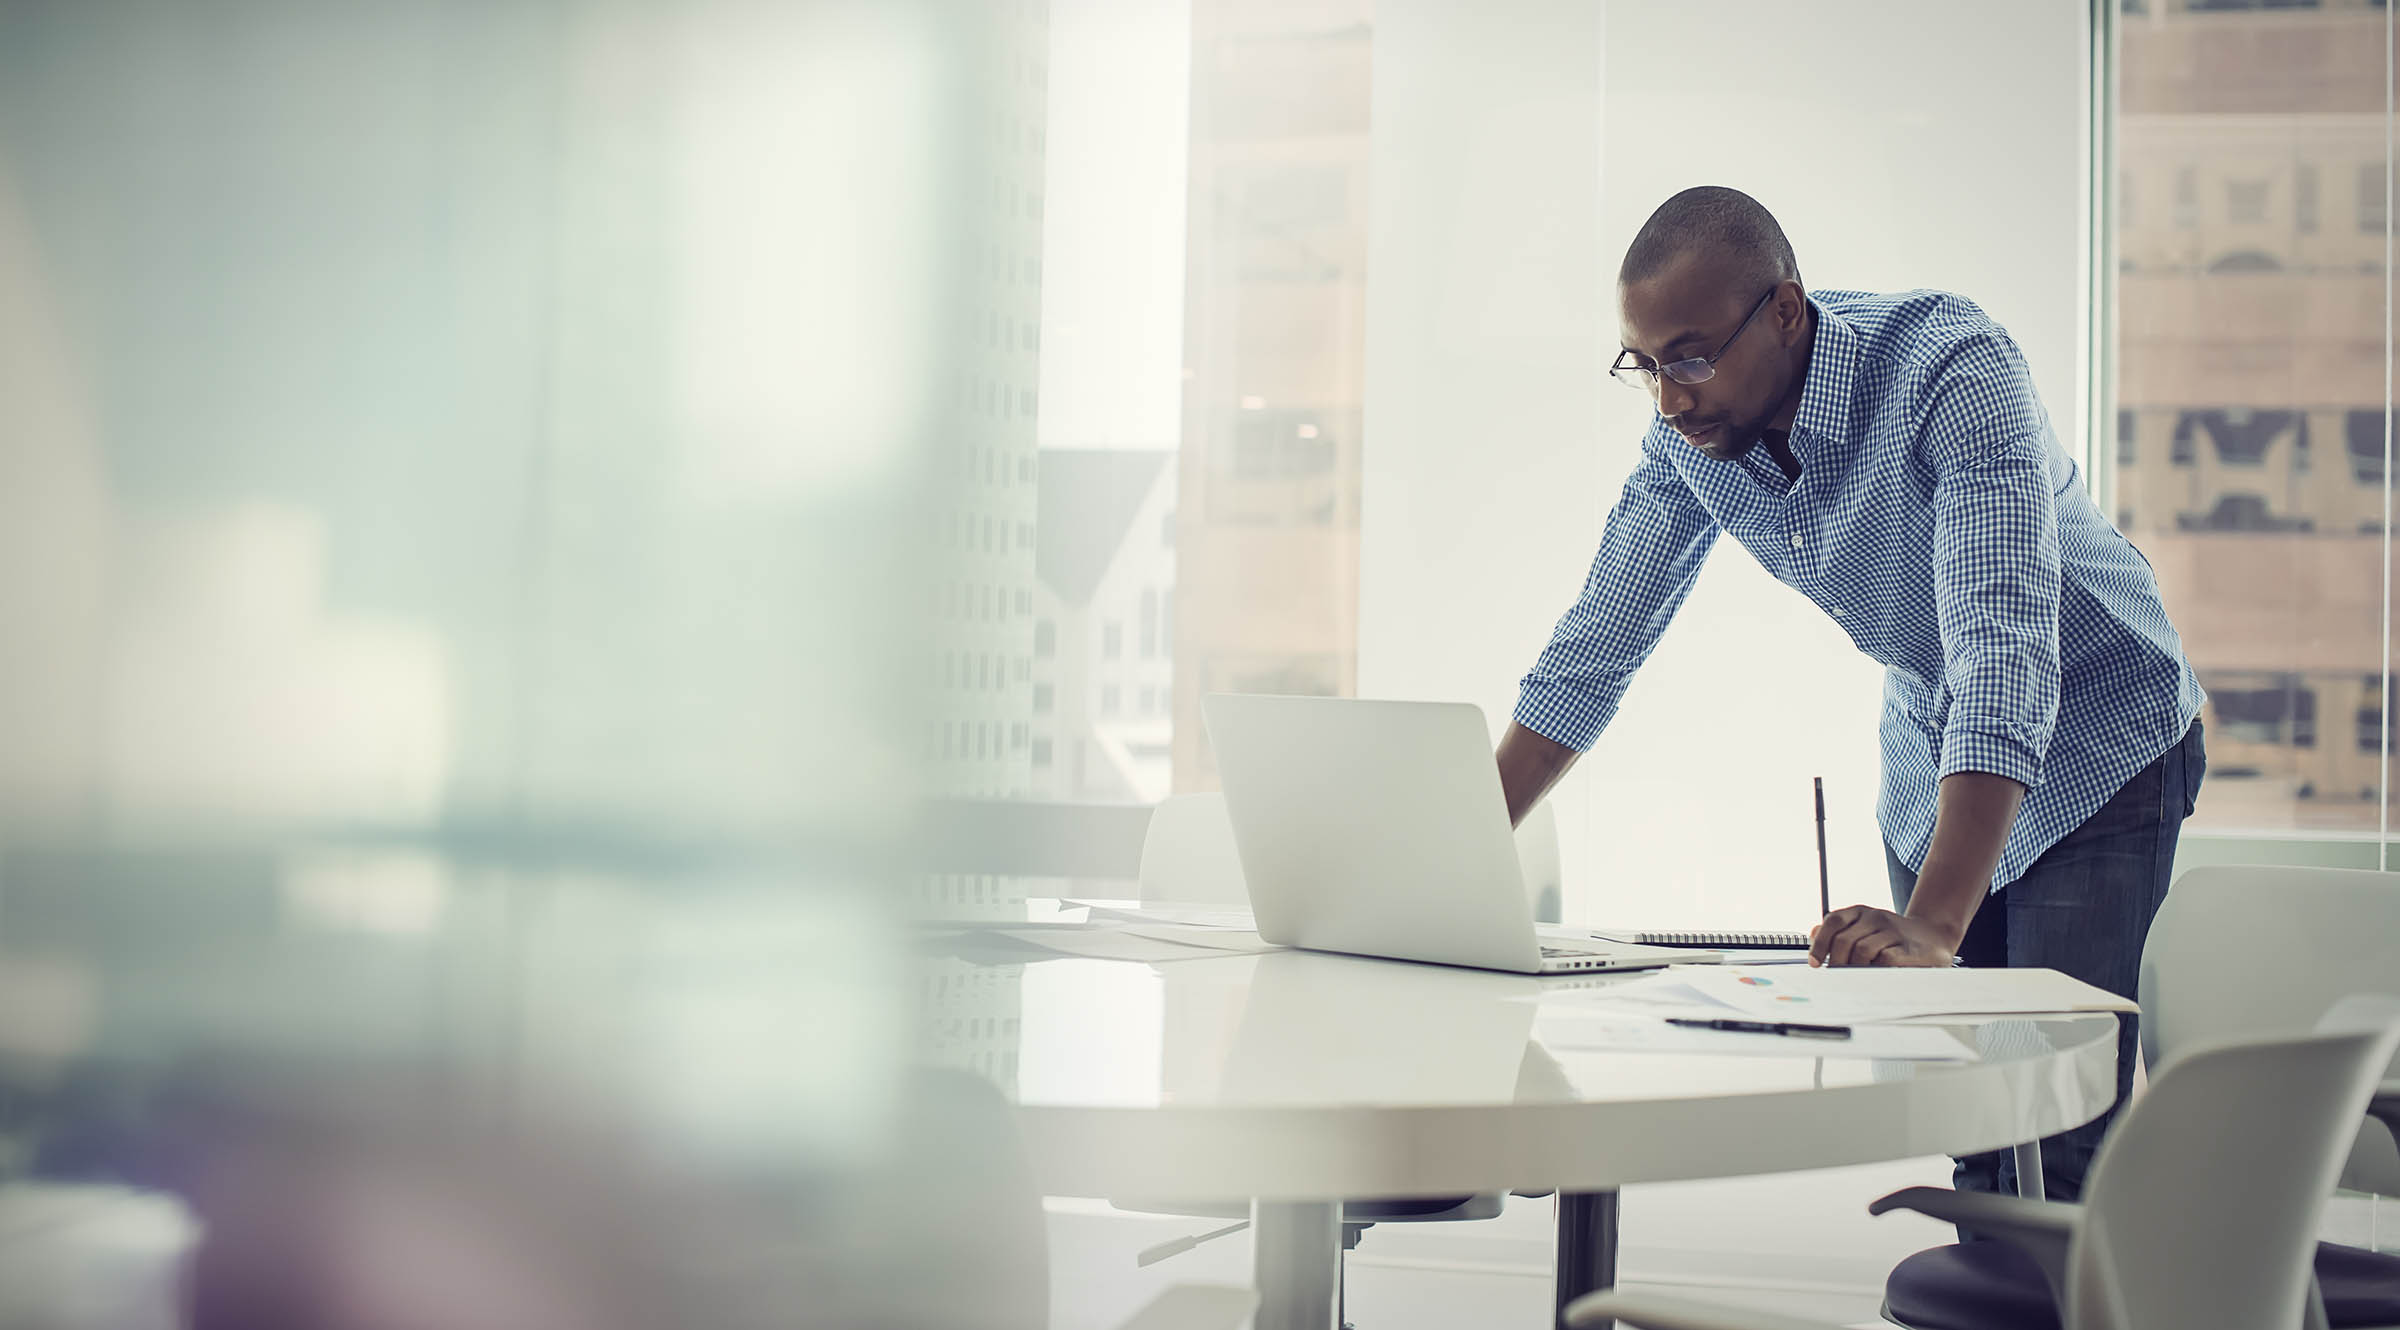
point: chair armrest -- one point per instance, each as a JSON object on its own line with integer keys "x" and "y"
{"x": 1196, "y": 1307}
{"x": 2385, "y": 1106}
{"x": 1648, "y": 1311}
{"x": 1984, "y": 1210}
{"x": 2042, "y": 1230}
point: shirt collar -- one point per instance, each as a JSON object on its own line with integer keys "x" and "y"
{"x": 1824, "y": 414}
{"x": 1760, "y": 465}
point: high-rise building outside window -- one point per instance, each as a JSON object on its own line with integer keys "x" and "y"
{"x": 2251, "y": 387}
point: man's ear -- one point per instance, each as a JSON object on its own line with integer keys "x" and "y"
{"x": 1791, "y": 310}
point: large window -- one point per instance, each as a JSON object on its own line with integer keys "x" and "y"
{"x": 1202, "y": 292}
{"x": 2251, "y": 386}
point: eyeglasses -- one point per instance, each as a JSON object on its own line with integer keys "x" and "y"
{"x": 1630, "y": 371}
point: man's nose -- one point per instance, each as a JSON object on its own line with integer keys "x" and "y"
{"x": 1675, "y": 399}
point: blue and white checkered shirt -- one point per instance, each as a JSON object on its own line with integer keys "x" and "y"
{"x": 1939, "y": 522}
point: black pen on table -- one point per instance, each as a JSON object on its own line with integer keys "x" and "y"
{"x": 1794, "y": 1028}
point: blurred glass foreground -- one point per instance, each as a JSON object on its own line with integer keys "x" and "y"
{"x": 472, "y": 482}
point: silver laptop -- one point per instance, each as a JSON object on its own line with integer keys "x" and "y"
{"x": 1378, "y": 828}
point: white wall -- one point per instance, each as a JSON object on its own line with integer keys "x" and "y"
{"x": 1518, "y": 146}
{"x": 1485, "y": 318}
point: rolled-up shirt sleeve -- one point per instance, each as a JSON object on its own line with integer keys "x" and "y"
{"x": 1995, "y": 562}
{"x": 1651, "y": 549}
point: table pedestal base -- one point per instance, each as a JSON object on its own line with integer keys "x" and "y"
{"x": 2029, "y": 1171}
{"x": 1298, "y": 1264}
{"x": 1587, "y": 1248}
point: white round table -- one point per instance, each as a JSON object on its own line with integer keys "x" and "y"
{"x": 1297, "y": 1080}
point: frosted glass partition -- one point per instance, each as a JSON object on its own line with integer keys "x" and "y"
{"x": 475, "y": 482}
{"x": 532, "y": 418}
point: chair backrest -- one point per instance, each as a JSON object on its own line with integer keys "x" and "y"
{"x": 2182, "y": 1231}
{"x": 1188, "y": 853}
{"x": 2253, "y": 950}
{"x": 1537, "y": 855}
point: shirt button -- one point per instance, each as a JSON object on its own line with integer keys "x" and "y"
{"x": 1795, "y": 542}
{"x": 1836, "y": 612}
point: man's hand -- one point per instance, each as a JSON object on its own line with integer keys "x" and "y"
{"x": 1864, "y": 935}
{"x": 1530, "y": 764}
{"x": 1969, "y": 830}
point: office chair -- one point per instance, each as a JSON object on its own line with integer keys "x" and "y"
{"x": 1538, "y": 858}
{"x": 2157, "y": 1242}
{"x": 2305, "y": 936}
{"x": 1188, "y": 855}
{"x": 2235, "y": 952}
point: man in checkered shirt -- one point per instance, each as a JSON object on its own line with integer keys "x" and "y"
{"x": 1887, "y": 457}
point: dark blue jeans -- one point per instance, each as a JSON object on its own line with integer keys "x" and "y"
{"x": 2084, "y": 907}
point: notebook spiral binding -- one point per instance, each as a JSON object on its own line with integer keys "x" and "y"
{"x": 1721, "y": 939}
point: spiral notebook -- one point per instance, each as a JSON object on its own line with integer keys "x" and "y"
{"x": 1769, "y": 940}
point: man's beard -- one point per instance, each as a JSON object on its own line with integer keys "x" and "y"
{"x": 1731, "y": 441}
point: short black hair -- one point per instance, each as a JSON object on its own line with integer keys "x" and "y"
{"x": 1734, "y": 229}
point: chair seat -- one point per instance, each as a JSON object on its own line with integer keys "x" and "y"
{"x": 1969, "y": 1286}
{"x": 1994, "y": 1286}
{"x": 2361, "y": 1287}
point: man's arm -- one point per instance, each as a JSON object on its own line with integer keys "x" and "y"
{"x": 1996, "y": 594}
{"x": 1970, "y": 829}
{"x": 1650, "y": 551}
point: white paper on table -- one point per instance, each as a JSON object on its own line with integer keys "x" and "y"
{"x": 1594, "y": 1029}
{"x": 1189, "y": 916}
{"x": 1847, "y": 995}
{"x": 1119, "y": 944}
{"x": 1657, "y": 993}
{"x": 1210, "y": 937}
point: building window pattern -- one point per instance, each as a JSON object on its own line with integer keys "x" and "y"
{"x": 1099, "y": 570}
{"x": 2246, "y": 202}
{"x": 2187, "y": 198}
{"x": 2250, "y": 341}
{"x": 979, "y": 625}
{"x": 2363, "y": 440}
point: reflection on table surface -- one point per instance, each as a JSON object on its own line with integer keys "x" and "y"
{"x": 1296, "y": 1028}
{"x": 752, "y": 1012}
